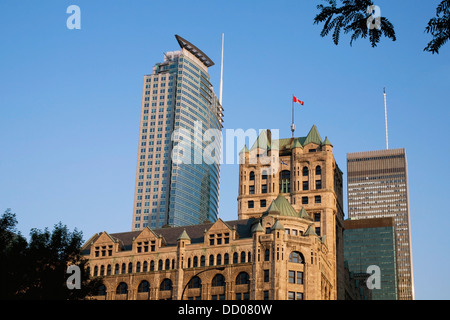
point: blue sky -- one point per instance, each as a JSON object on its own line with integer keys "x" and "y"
{"x": 70, "y": 103}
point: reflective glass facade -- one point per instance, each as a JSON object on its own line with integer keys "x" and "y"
{"x": 177, "y": 178}
{"x": 372, "y": 243}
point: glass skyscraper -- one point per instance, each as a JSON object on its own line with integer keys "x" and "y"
{"x": 378, "y": 187}
{"x": 371, "y": 242}
{"x": 177, "y": 174}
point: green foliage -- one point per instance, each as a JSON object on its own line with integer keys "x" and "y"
{"x": 439, "y": 27}
{"x": 37, "y": 270}
{"x": 352, "y": 17}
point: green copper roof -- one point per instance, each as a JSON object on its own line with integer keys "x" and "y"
{"x": 184, "y": 236}
{"x": 297, "y": 143}
{"x": 310, "y": 231}
{"x": 258, "y": 228}
{"x": 273, "y": 207}
{"x": 303, "y": 214}
{"x": 277, "y": 226}
{"x": 262, "y": 141}
{"x": 281, "y": 205}
{"x": 313, "y": 136}
{"x": 288, "y": 143}
{"x": 327, "y": 142}
{"x": 244, "y": 149}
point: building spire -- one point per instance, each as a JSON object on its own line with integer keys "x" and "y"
{"x": 385, "y": 118}
{"x": 221, "y": 72}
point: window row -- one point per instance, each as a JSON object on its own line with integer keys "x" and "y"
{"x": 214, "y": 260}
{"x": 305, "y": 173}
{"x": 167, "y": 285}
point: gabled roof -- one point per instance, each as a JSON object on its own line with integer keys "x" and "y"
{"x": 194, "y": 232}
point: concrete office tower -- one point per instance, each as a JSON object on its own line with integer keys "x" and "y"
{"x": 178, "y": 106}
{"x": 377, "y": 188}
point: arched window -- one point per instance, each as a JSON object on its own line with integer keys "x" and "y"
{"x": 252, "y": 176}
{"x": 235, "y": 257}
{"x": 219, "y": 259}
{"x": 95, "y": 271}
{"x": 116, "y": 269}
{"x": 202, "y": 261}
{"x": 144, "y": 286}
{"x": 122, "y": 288}
{"x": 226, "y": 259}
{"x": 166, "y": 285}
{"x": 318, "y": 170}
{"x": 145, "y": 268}
{"x": 124, "y": 268}
{"x": 195, "y": 282}
{"x": 285, "y": 181}
{"x": 242, "y": 256}
{"x": 152, "y": 265}
{"x": 138, "y": 266}
{"x": 243, "y": 278}
{"x": 130, "y": 267}
{"x": 249, "y": 257}
{"x": 160, "y": 264}
{"x": 102, "y": 270}
{"x": 167, "y": 264}
{"x": 296, "y": 257}
{"x": 195, "y": 262}
{"x": 211, "y": 260}
{"x": 108, "y": 270}
{"x": 305, "y": 171}
{"x": 101, "y": 290}
{"x": 218, "y": 281}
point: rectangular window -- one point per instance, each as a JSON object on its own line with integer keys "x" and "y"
{"x": 262, "y": 203}
{"x": 305, "y": 185}
{"x": 264, "y": 188}
{"x": 266, "y": 275}
{"x": 251, "y": 189}
{"x": 318, "y": 184}
{"x": 317, "y": 217}
{"x": 304, "y": 200}
{"x": 251, "y": 204}
{"x": 318, "y": 199}
{"x": 291, "y": 276}
{"x": 299, "y": 277}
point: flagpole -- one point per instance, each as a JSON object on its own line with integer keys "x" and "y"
{"x": 293, "y": 125}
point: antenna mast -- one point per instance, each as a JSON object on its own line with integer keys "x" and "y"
{"x": 385, "y": 119}
{"x": 221, "y": 74}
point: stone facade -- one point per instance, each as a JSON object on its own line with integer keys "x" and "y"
{"x": 285, "y": 248}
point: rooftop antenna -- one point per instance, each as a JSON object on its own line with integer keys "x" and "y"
{"x": 221, "y": 74}
{"x": 385, "y": 118}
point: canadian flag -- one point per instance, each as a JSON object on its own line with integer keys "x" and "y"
{"x": 298, "y": 101}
